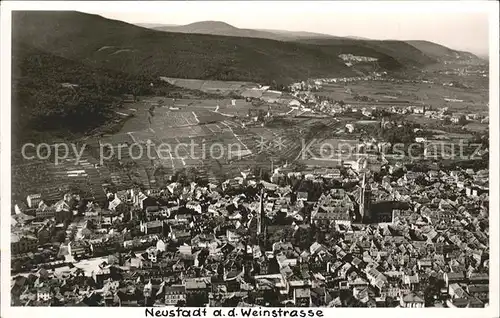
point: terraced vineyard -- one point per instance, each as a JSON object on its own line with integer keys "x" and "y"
{"x": 171, "y": 134}
{"x": 53, "y": 180}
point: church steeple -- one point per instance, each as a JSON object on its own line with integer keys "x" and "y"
{"x": 364, "y": 201}
{"x": 260, "y": 216}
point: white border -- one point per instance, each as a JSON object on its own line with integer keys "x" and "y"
{"x": 5, "y": 140}
{"x": 494, "y": 220}
{"x": 417, "y": 7}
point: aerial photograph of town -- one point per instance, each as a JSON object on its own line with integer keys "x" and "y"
{"x": 204, "y": 161}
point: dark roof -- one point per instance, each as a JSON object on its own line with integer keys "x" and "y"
{"x": 455, "y": 276}
{"x": 413, "y": 298}
{"x": 178, "y": 289}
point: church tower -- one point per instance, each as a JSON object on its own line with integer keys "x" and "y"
{"x": 365, "y": 201}
{"x": 260, "y": 216}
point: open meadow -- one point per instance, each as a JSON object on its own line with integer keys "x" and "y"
{"x": 380, "y": 93}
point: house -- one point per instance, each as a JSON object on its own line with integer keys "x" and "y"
{"x": 338, "y": 214}
{"x": 358, "y": 282}
{"x": 479, "y": 278}
{"x": 152, "y": 227}
{"x": 161, "y": 246}
{"x": 153, "y": 212}
{"x": 277, "y": 281}
{"x": 179, "y": 235}
{"x": 423, "y": 264}
{"x": 458, "y": 303}
{"x": 182, "y": 217}
{"x": 21, "y": 243}
{"x": 152, "y": 254}
{"x": 450, "y": 278}
{"x": 114, "y": 203}
{"x": 194, "y": 205}
{"x": 390, "y": 291}
{"x": 232, "y": 236}
{"x": 455, "y": 291}
{"x": 20, "y": 207}
{"x": 419, "y": 109}
{"x": 77, "y": 249}
{"x": 412, "y": 300}
{"x": 62, "y": 205}
{"x": 140, "y": 200}
{"x": 475, "y": 302}
{"x": 480, "y": 291}
{"x": 45, "y": 212}
{"x": 44, "y": 233}
{"x": 284, "y": 261}
{"x": 302, "y": 196}
{"x": 102, "y": 274}
{"x": 43, "y": 294}
{"x": 185, "y": 249}
{"x": 302, "y": 297}
{"x": 175, "y": 294}
{"x": 197, "y": 288}
{"x": 33, "y": 200}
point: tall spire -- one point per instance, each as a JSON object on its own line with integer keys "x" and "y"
{"x": 260, "y": 220}
{"x": 364, "y": 201}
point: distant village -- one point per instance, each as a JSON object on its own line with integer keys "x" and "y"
{"x": 305, "y": 94}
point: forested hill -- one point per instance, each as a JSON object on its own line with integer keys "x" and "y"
{"x": 402, "y": 52}
{"x": 54, "y": 95}
{"x": 440, "y": 52}
{"x": 98, "y": 41}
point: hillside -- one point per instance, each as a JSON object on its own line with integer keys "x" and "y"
{"x": 419, "y": 53}
{"x": 225, "y": 29}
{"x": 154, "y": 25}
{"x": 402, "y": 52}
{"x": 220, "y": 28}
{"x": 58, "y": 96}
{"x": 296, "y": 35}
{"x": 105, "y": 43}
{"x": 405, "y": 52}
{"x": 440, "y": 52}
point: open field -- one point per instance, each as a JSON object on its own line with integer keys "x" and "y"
{"x": 477, "y": 127}
{"x": 192, "y": 135}
{"x": 208, "y": 86}
{"x": 406, "y": 94}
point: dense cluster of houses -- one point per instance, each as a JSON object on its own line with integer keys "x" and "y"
{"x": 307, "y": 103}
{"x": 317, "y": 237}
{"x": 351, "y": 59}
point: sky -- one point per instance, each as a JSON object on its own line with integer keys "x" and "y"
{"x": 461, "y": 27}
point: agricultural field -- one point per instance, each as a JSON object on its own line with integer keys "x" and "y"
{"x": 423, "y": 120}
{"x": 53, "y": 180}
{"x": 406, "y": 94}
{"x": 217, "y": 87}
{"x": 186, "y": 134}
{"x": 167, "y": 134}
{"x": 477, "y": 127}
